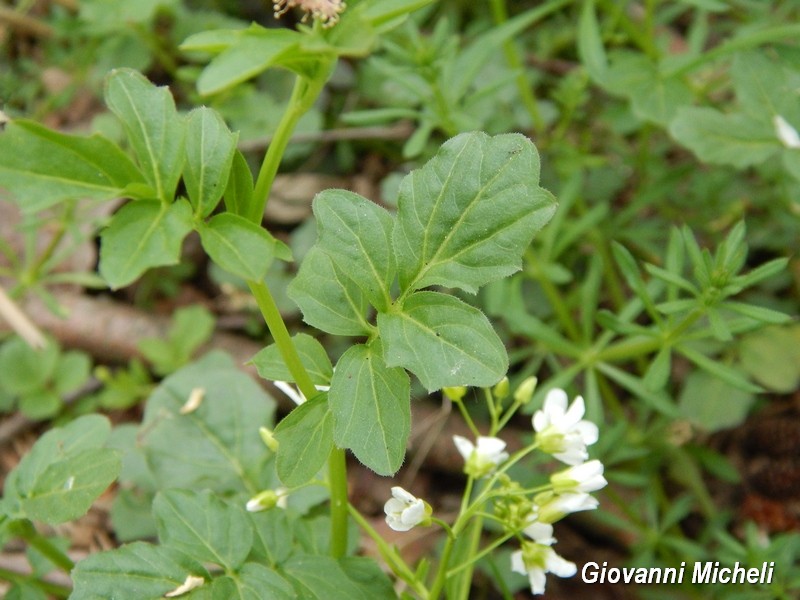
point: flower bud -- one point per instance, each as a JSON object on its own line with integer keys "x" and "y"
{"x": 501, "y": 390}
{"x": 455, "y": 393}
{"x": 524, "y": 391}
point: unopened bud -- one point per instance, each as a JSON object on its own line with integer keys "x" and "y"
{"x": 524, "y": 391}
{"x": 500, "y": 390}
{"x": 455, "y": 393}
{"x": 264, "y": 501}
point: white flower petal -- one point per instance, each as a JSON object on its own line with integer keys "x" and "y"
{"x": 541, "y": 533}
{"x": 560, "y": 566}
{"x": 294, "y": 395}
{"x": 464, "y": 446}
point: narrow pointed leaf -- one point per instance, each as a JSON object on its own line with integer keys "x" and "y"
{"x": 328, "y": 298}
{"x": 143, "y": 234}
{"x": 40, "y": 167}
{"x": 155, "y": 131}
{"x": 443, "y": 341}
{"x": 209, "y": 152}
{"x": 247, "y": 53}
{"x": 465, "y": 218}
{"x": 370, "y": 403}
{"x": 357, "y": 235}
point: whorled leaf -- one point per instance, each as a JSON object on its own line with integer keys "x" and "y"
{"x": 40, "y": 167}
{"x": 270, "y": 364}
{"x": 305, "y": 438}
{"x": 209, "y": 153}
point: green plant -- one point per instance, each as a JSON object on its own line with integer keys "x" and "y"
{"x": 661, "y": 334}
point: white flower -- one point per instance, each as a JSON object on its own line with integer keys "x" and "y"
{"x": 268, "y": 499}
{"x": 786, "y": 133}
{"x": 404, "y": 510}
{"x": 586, "y": 477}
{"x": 561, "y": 430}
{"x": 541, "y": 533}
{"x": 483, "y": 459}
{"x": 535, "y": 559}
{"x": 553, "y": 507}
{"x": 297, "y": 396}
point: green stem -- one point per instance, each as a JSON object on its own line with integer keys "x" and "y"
{"x": 485, "y": 552}
{"x": 272, "y": 317}
{"x": 337, "y": 464}
{"x": 337, "y": 476}
{"x": 304, "y": 94}
{"x": 441, "y": 575}
{"x": 25, "y": 529}
{"x": 390, "y": 556}
{"x": 500, "y": 15}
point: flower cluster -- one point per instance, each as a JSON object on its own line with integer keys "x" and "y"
{"x": 327, "y": 11}
{"x": 560, "y": 431}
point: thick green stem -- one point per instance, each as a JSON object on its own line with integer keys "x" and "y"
{"x": 305, "y": 93}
